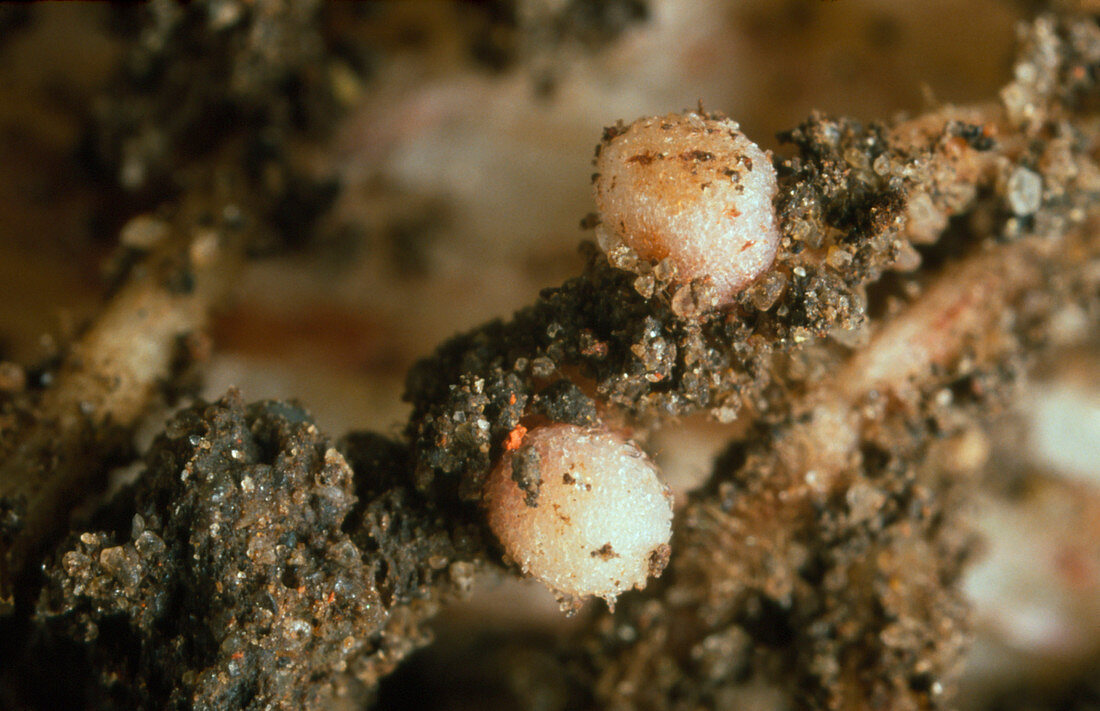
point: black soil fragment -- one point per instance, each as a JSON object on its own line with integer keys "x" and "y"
{"x": 412, "y": 546}
{"x": 236, "y": 585}
{"x": 565, "y": 402}
{"x": 527, "y": 473}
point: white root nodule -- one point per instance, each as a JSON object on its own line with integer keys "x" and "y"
{"x": 601, "y": 519}
{"x": 693, "y": 190}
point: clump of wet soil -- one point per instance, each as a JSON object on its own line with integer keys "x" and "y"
{"x": 235, "y": 583}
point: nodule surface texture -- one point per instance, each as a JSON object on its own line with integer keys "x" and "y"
{"x": 601, "y": 519}
{"x": 693, "y": 190}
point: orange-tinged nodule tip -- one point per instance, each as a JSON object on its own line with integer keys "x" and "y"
{"x": 693, "y": 190}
